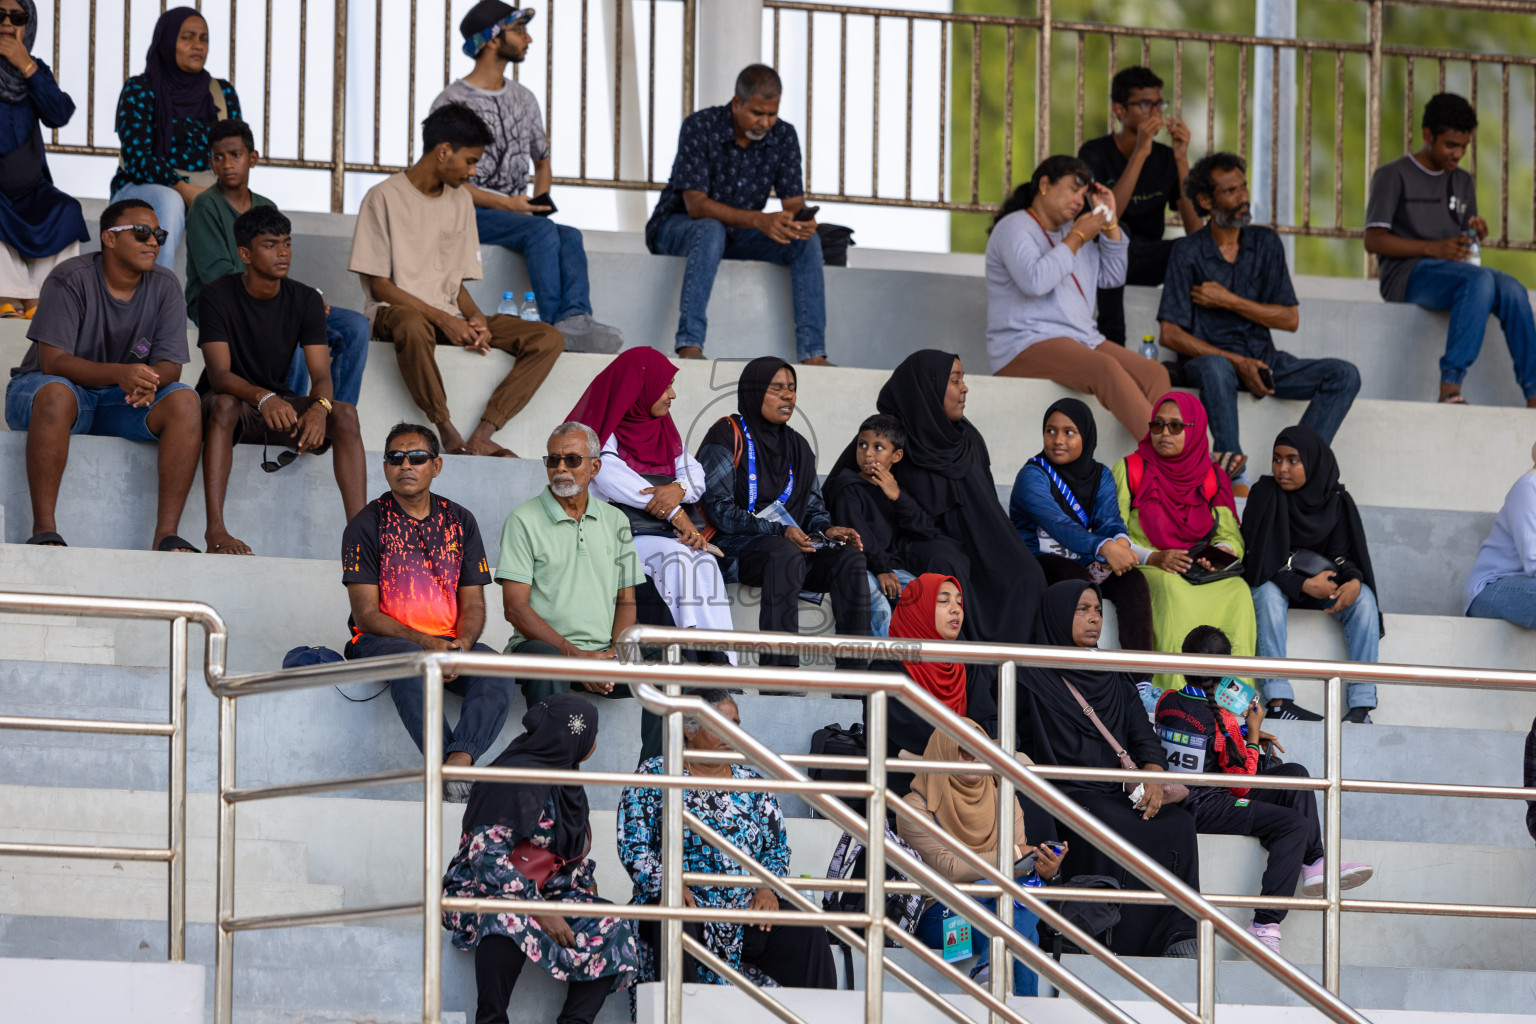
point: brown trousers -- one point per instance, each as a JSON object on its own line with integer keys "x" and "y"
{"x": 534, "y": 347}
{"x": 1124, "y": 382}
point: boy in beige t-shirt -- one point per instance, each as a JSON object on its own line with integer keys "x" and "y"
{"x": 414, "y": 246}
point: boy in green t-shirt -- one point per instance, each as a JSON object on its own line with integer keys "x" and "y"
{"x": 212, "y": 254}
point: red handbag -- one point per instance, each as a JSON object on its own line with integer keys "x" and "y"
{"x": 539, "y": 863}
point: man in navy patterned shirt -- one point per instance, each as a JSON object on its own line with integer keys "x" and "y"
{"x": 728, "y": 159}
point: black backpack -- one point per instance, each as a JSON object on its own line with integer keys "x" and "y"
{"x": 1097, "y": 919}
{"x": 835, "y": 741}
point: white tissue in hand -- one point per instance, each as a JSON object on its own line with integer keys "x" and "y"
{"x": 1101, "y": 208}
{"x": 1137, "y": 793}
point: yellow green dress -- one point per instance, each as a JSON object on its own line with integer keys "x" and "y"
{"x": 1178, "y": 606}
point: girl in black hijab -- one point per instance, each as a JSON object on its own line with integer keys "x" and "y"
{"x": 529, "y": 841}
{"x": 1065, "y": 507}
{"x": 765, "y": 507}
{"x": 1053, "y": 729}
{"x": 948, "y": 470}
{"x": 1304, "y": 547}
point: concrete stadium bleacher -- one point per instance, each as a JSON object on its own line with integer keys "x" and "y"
{"x": 1429, "y": 479}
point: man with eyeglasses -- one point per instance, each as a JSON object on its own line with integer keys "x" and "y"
{"x": 108, "y": 344}
{"x": 252, "y": 326}
{"x": 568, "y": 568}
{"x": 1147, "y": 178}
{"x": 415, "y": 571}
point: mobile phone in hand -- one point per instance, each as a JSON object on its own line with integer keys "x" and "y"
{"x": 807, "y": 213}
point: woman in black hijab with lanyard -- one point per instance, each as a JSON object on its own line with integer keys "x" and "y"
{"x": 765, "y": 507}
{"x": 948, "y": 470}
{"x": 1304, "y": 547}
{"x": 1054, "y": 729}
{"x": 529, "y": 841}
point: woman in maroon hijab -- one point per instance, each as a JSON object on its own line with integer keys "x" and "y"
{"x": 649, "y": 476}
{"x": 1173, "y": 500}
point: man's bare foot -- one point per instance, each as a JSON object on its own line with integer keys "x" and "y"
{"x": 223, "y": 544}
{"x": 817, "y": 361}
{"x": 485, "y": 446}
{"x": 690, "y": 352}
{"x": 460, "y": 758}
{"x": 1450, "y": 394}
{"x": 452, "y": 440}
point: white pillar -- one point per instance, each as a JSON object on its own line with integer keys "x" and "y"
{"x": 730, "y": 37}
{"x": 1277, "y": 19}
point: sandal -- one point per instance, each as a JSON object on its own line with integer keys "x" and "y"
{"x": 47, "y": 539}
{"x": 1230, "y": 463}
{"x": 171, "y": 542}
{"x": 1454, "y": 398}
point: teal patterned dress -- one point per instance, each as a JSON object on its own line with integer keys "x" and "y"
{"x": 482, "y": 869}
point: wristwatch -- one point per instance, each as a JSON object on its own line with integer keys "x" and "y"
{"x": 325, "y": 402}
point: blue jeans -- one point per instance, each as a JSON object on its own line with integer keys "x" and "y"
{"x": 556, "y": 258}
{"x": 347, "y": 332}
{"x": 706, "y": 242}
{"x": 486, "y": 698}
{"x": 170, "y": 211}
{"x": 1511, "y": 598}
{"x": 104, "y": 412}
{"x": 1362, "y": 636}
{"x": 1330, "y": 384}
{"x": 930, "y": 932}
{"x": 880, "y": 605}
{"x": 1471, "y": 294}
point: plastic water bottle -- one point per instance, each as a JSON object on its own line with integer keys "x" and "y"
{"x": 508, "y": 305}
{"x": 529, "y": 309}
{"x": 1149, "y": 347}
{"x": 1474, "y": 249}
{"x": 1034, "y": 881}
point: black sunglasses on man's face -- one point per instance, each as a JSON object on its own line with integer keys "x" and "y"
{"x": 416, "y": 457}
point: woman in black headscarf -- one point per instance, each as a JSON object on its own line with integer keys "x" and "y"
{"x": 529, "y": 841}
{"x": 163, "y": 117}
{"x": 1053, "y": 729}
{"x": 1065, "y": 507}
{"x": 1304, "y": 547}
{"x": 948, "y": 470}
{"x": 764, "y": 504}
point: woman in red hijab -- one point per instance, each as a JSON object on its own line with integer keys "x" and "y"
{"x": 1174, "y": 499}
{"x": 933, "y": 608}
{"x": 649, "y": 476}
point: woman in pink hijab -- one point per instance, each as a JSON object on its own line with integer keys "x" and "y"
{"x": 649, "y": 476}
{"x": 1182, "y": 521}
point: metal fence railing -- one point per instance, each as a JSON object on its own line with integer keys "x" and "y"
{"x": 178, "y": 615}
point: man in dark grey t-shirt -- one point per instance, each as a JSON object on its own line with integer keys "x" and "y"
{"x": 108, "y": 344}
{"x": 1421, "y": 222}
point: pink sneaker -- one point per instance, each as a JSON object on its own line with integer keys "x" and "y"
{"x": 1269, "y": 934}
{"x": 1351, "y": 874}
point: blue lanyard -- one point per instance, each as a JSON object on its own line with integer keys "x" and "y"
{"x": 752, "y": 470}
{"x": 1066, "y": 492}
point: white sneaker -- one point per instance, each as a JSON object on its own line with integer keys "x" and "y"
{"x": 1269, "y": 934}
{"x": 1351, "y": 874}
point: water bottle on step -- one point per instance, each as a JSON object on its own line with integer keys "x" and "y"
{"x": 508, "y": 305}
{"x": 1149, "y": 347}
{"x": 529, "y": 309}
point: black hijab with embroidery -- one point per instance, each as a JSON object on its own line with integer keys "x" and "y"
{"x": 558, "y": 735}
{"x": 1082, "y": 474}
{"x": 780, "y": 448}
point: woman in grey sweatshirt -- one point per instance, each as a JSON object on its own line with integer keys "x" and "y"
{"x": 1055, "y": 242}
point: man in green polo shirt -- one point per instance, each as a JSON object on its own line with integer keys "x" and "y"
{"x": 568, "y": 567}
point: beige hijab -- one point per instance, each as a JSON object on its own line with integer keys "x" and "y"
{"x": 967, "y": 811}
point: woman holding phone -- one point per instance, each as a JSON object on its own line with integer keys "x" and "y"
{"x": 1055, "y": 242}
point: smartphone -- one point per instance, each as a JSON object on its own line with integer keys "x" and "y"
{"x": 1024, "y": 865}
{"x": 807, "y": 213}
{"x": 1267, "y": 378}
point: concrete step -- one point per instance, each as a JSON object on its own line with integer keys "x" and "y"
{"x": 257, "y": 860}
{"x": 73, "y": 989}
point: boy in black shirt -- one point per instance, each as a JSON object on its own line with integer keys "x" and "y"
{"x": 251, "y": 324}
{"x": 1147, "y": 178}
{"x": 900, "y": 538}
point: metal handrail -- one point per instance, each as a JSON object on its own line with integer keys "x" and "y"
{"x": 177, "y": 614}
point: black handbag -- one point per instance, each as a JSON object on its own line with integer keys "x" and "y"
{"x": 1309, "y": 563}
{"x": 643, "y": 524}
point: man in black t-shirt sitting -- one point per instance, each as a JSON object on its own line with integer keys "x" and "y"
{"x": 1147, "y": 178}
{"x": 250, "y": 326}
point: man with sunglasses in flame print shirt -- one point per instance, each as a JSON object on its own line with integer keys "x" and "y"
{"x": 415, "y": 571}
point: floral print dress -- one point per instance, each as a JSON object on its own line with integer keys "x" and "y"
{"x": 482, "y": 869}
{"x": 753, "y": 822}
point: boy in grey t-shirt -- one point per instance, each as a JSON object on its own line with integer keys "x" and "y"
{"x": 108, "y": 343}
{"x": 1421, "y": 221}
{"x": 495, "y": 35}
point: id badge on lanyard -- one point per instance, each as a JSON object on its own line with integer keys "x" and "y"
{"x": 789, "y": 488}
{"x": 1186, "y": 751}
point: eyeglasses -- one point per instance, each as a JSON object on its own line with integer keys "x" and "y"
{"x": 284, "y": 458}
{"x": 1149, "y": 105}
{"x": 571, "y": 461}
{"x": 18, "y": 18}
{"x": 417, "y": 457}
{"x": 1173, "y": 427}
{"x": 781, "y": 389}
{"x": 143, "y": 232}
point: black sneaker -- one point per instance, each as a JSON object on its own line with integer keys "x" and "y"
{"x": 1288, "y": 710}
{"x": 1359, "y": 716}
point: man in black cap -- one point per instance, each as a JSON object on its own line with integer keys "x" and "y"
{"x": 496, "y": 34}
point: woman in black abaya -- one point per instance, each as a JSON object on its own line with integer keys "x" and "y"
{"x": 948, "y": 470}
{"x": 1052, "y": 729}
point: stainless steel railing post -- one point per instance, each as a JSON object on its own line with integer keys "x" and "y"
{"x": 224, "y": 911}
{"x": 672, "y": 853}
{"x": 874, "y": 890}
{"x": 1007, "y": 728}
{"x": 1333, "y": 758}
{"x": 432, "y": 853}
{"x": 176, "y": 788}
{"x": 1207, "y": 972}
